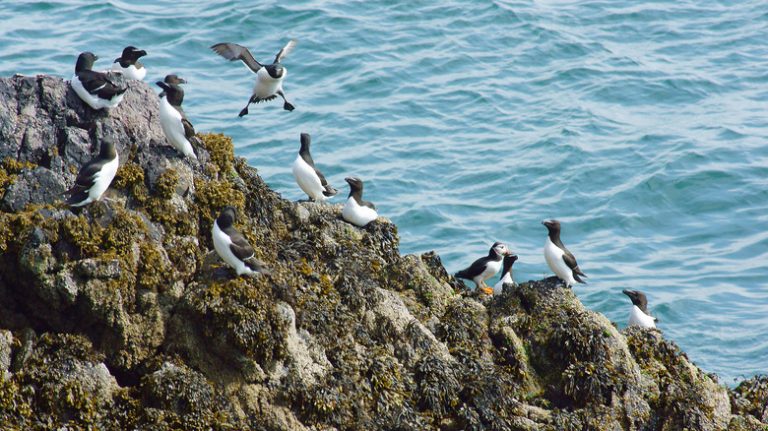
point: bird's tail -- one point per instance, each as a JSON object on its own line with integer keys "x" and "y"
{"x": 329, "y": 191}
{"x": 462, "y": 274}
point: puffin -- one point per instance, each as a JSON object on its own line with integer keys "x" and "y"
{"x": 95, "y": 88}
{"x": 308, "y": 177}
{"x": 356, "y": 210}
{"x": 129, "y": 65}
{"x": 638, "y": 315}
{"x": 560, "y": 260}
{"x": 506, "y": 274}
{"x": 177, "y": 128}
{"x": 486, "y": 267}
{"x": 95, "y": 176}
{"x": 269, "y": 78}
{"x": 232, "y": 246}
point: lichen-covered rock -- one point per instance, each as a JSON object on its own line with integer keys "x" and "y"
{"x": 120, "y": 315}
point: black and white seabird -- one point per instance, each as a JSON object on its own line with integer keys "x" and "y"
{"x": 356, "y": 210}
{"x": 486, "y": 267}
{"x": 639, "y": 316}
{"x": 232, "y": 246}
{"x": 178, "y": 130}
{"x": 95, "y": 176}
{"x": 560, "y": 260}
{"x": 506, "y": 274}
{"x": 129, "y": 65}
{"x": 269, "y": 78}
{"x": 95, "y": 88}
{"x": 308, "y": 177}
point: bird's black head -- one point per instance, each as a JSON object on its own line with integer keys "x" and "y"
{"x": 85, "y": 61}
{"x": 107, "y": 149}
{"x": 305, "y": 141}
{"x": 227, "y": 217}
{"x": 355, "y": 185}
{"x": 638, "y": 298}
{"x": 174, "y": 79}
{"x": 276, "y": 71}
{"x": 130, "y": 55}
{"x": 509, "y": 260}
{"x": 553, "y": 226}
{"x": 499, "y": 249}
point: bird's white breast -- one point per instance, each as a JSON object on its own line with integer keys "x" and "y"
{"x": 638, "y": 318}
{"x": 357, "y": 214}
{"x": 307, "y": 179}
{"x": 554, "y": 257}
{"x": 491, "y": 268}
{"x": 499, "y": 286}
{"x": 221, "y": 243}
{"x": 92, "y": 100}
{"x": 103, "y": 179}
{"x": 266, "y": 85}
{"x": 170, "y": 121}
{"x": 131, "y": 71}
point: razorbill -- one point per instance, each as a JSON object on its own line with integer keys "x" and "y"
{"x": 486, "y": 267}
{"x": 177, "y": 128}
{"x": 232, "y": 246}
{"x": 308, "y": 177}
{"x": 506, "y": 274}
{"x": 639, "y": 315}
{"x": 95, "y": 88}
{"x": 95, "y": 176}
{"x": 356, "y": 210}
{"x": 269, "y": 78}
{"x": 129, "y": 65}
{"x": 559, "y": 259}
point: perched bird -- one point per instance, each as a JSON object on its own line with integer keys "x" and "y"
{"x": 177, "y": 128}
{"x": 232, "y": 246}
{"x": 269, "y": 78}
{"x": 95, "y": 176}
{"x": 486, "y": 267}
{"x": 639, "y": 315}
{"x": 356, "y": 210}
{"x": 559, "y": 259}
{"x": 506, "y": 274}
{"x": 129, "y": 65}
{"x": 308, "y": 177}
{"x": 95, "y": 88}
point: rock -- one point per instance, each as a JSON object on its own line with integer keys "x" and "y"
{"x": 119, "y": 315}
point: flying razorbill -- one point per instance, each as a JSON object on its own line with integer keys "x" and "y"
{"x": 177, "y": 128}
{"x": 506, "y": 274}
{"x": 486, "y": 267}
{"x": 94, "y": 88}
{"x": 356, "y": 210}
{"x": 232, "y": 246}
{"x": 95, "y": 176}
{"x": 639, "y": 316}
{"x": 308, "y": 177}
{"x": 129, "y": 65}
{"x": 559, "y": 259}
{"x": 269, "y": 78}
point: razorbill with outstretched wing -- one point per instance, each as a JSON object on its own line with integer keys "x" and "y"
{"x": 486, "y": 267}
{"x": 177, "y": 128}
{"x": 356, "y": 210}
{"x": 232, "y": 246}
{"x": 560, "y": 260}
{"x": 269, "y": 78}
{"x": 129, "y": 65}
{"x": 95, "y": 88}
{"x": 95, "y": 176}
{"x": 308, "y": 177}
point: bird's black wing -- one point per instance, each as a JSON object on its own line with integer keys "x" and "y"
{"x": 368, "y": 204}
{"x": 473, "y": 270}
{"x": 284, "y": 52}
{"x": 233, "y": 51}
{"x": 570, "y": 260}
{"x": 86, "y": 178}
{"x": 98, "y": 83}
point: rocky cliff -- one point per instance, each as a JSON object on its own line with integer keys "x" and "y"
{"x": 120, "y": 316}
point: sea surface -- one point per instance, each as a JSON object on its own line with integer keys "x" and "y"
{"x": 641, "y": 125}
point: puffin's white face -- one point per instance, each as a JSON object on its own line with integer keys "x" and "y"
{"x": 501, "y": 250}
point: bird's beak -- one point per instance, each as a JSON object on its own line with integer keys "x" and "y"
{"x": 544, "y": 222}
{"x": 182, "y": 80}
{"x": 626, "y": 292}
{"x": 116, "y": 60}
{"x": 142, "y": 53}
{"x": 510, "y": 253}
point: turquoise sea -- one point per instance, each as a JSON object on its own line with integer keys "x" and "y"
{"x": 641, "y": 125}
